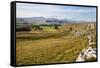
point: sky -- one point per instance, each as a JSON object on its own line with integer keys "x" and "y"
{"x": 75, "y": 13}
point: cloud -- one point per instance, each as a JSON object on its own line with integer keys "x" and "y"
{"x": 67, "y": 12}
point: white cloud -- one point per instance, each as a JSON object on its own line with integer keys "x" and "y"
{"x": 68, "y": 12}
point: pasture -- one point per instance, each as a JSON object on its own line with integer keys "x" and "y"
{"x": 45, "y": 47}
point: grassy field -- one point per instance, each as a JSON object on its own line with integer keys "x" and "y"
{"x": 48, "y": 47}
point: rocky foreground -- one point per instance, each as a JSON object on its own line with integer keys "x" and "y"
{"x": 88, "y": 53}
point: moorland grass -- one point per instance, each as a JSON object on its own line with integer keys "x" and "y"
{"x": 49, "y": 48}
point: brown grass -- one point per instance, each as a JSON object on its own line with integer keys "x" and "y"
{"x": 49, "y": 50}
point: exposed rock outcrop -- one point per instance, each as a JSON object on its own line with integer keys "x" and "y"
{"x": 89, "y": 53}
{"x": 86, "y": 54}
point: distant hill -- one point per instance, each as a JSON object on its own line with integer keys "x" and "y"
{"x": 43, "y": 20}
{"x": 35, "y": 20}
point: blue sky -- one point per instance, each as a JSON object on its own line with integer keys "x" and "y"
{"x": 74, "y": 13}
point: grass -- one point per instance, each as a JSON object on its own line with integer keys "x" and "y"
{"x": 49, "y": 49}
{"x": 49, "y": 46}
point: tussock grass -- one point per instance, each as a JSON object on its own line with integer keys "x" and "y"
{"x": 50, "y": 49}
{"x": 48, "y": 46}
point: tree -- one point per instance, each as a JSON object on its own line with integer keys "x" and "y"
{"x": 56, "y": 27}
